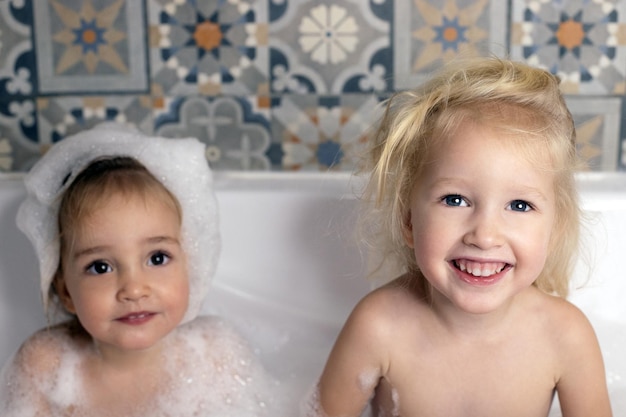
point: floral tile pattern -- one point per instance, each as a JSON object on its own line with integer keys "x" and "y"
{"x": 235, "y": 130}
{"x": 18, "y": 87}
{"x": 335, "y": 47}
{"x": 597, "y": 130}
{"x": 322, "y": 133}
{"x": 62, "y": 116}
{"x": 209, "y": 47}
{"x": 285, "y": 85}
{"x": 85, "y": 46}
{"x": 584, "y": 42}
{"x": 433, "y": 32}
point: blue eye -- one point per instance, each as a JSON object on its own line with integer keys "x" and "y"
{"x": 98, "y": 268}
{"x": 159, "y": 258}
{"x": 520, "y": 205}
{"x": 454, "y": 200}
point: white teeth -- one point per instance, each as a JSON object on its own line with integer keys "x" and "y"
{"x": 478, "y": 269}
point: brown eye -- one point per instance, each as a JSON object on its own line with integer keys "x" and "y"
{"x": 159, "y": 258}
{"x": 98, "y": 268}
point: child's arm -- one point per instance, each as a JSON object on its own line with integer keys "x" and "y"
{"x": 582, "y": 386}
{"x": 357, "y": 361}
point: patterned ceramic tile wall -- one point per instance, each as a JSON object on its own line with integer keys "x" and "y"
{"x": 284, "y": 85}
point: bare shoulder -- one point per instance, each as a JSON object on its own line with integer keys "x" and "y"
{"x": 43, "y": 351}
{"x": 566, "y": 322}
{"x": 395, "y": 297}
{"x": 45, "y": 362}
{"x": 387, "y": 309}
{"x": 567, "y": 330}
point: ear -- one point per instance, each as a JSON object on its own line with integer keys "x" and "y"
{"x": 60, "y": 288}
{"x": 407, "y": 231}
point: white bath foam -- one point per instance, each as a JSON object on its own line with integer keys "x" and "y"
{"x": 395, "y": 397}
{"x": 311, "y": 406}
{"x": 15, "y": 398}
{"x": 210, "y": 372}
{"x": 368, "y": 380}
{"x": 217, "y": 374}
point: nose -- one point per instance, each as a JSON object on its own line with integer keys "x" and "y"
{"x": 485, "y": 230}
{"x": 133, "y": 286}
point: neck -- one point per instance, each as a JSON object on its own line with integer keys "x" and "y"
{"x": 127, "y": 361}
{"x": 124, "y": 380}
{"x": 485, "y": 326}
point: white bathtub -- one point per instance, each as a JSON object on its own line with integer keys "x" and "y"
{"x": 290, "y": 273}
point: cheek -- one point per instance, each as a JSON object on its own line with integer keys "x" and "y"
{"x": 91, "y": 312}
{"x": 184, "y": 293}
{"x": 547, "y": 234}
{"x": 178, "y": 293}
{"x": 77, "y": 299}
{"x": 84, "y": 301}
{"x": 429, "y": 240}
{"x": 430, "y": 227}
{"x": 533, "y": 249}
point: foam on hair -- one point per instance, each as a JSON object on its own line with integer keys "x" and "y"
{"x": 179, "y": 164}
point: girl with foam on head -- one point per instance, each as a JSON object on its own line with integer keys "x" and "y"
{"x": 471, "y": 189}
{"x": 126, "y": 231}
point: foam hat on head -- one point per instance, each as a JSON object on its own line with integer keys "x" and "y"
{"x": 179, "y": 164}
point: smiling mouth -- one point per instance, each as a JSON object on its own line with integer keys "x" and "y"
{"x": 480, "y": 269}
{"x": 136, "y": 318}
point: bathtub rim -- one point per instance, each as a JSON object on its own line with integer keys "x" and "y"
{"x": 268, "y": 179}
{"x": 596, "y": 189}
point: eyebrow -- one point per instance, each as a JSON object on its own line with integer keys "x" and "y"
{"x": 166, "y": 239}
{"x": 534, "y": 192}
